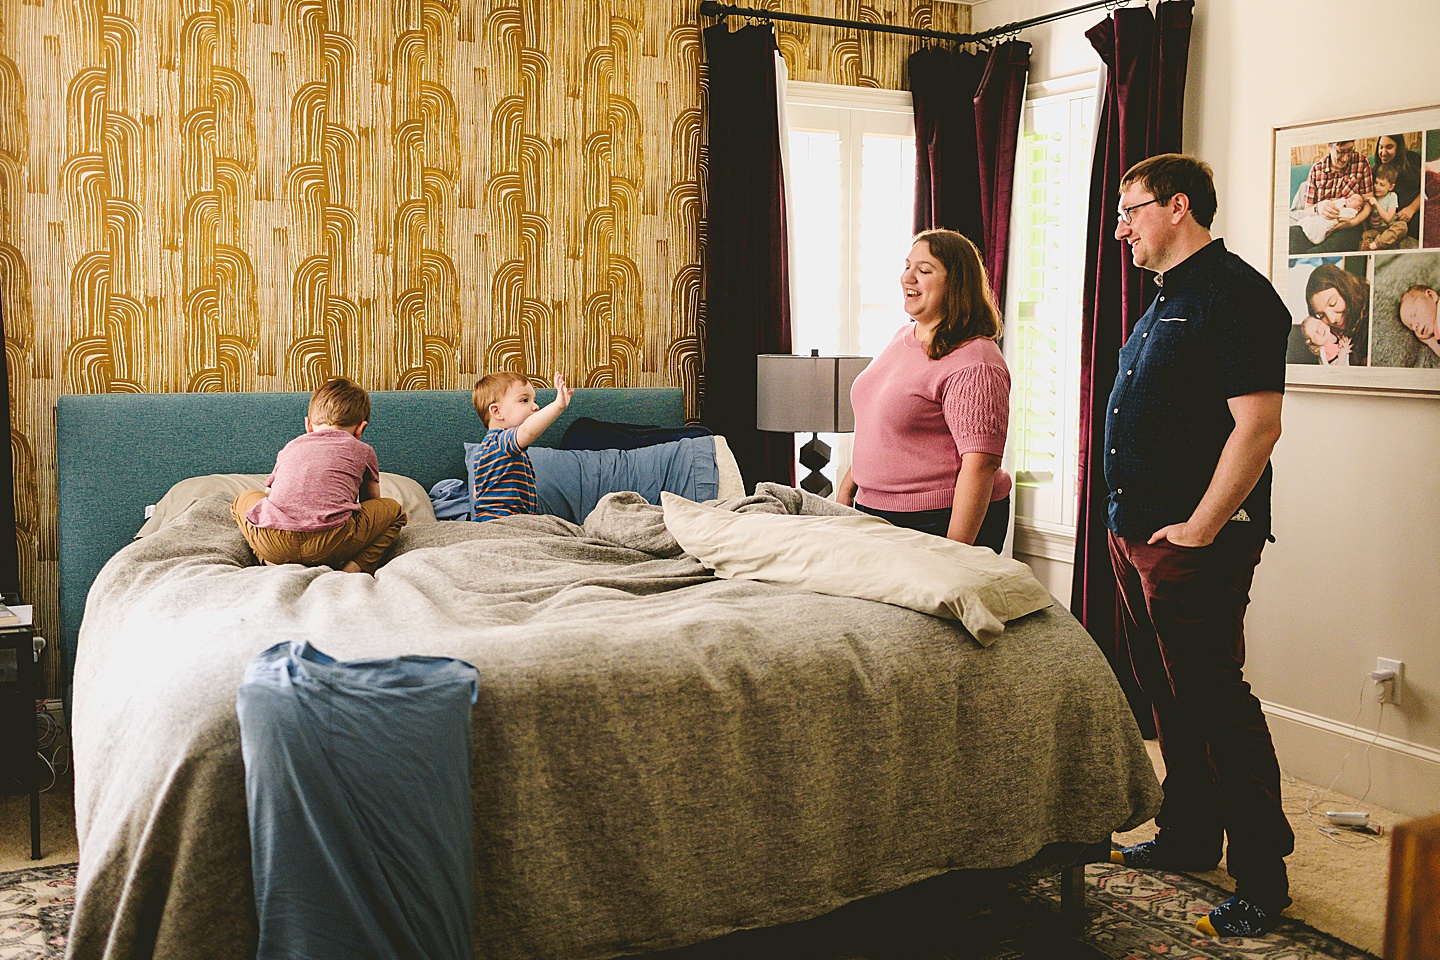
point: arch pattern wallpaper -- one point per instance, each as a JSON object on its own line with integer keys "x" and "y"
{"x": 243, "y": 195}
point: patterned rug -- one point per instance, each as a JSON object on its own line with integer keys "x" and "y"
{"x": 35, "y": 907}
{"x": 1010, "y": 916}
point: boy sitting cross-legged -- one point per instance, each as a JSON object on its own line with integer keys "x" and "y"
{"x": 322, "y": 503}
{"x": 504, "y": 478}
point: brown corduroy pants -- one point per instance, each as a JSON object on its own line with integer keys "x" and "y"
{"x": 363, "y": 538}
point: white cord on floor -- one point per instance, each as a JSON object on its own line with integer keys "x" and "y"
{"x": 53, "y": 777}
{"x": 1340, "y": 835}
{"x": 47, "y": 737}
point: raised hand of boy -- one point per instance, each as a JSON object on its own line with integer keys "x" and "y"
{"x": 539, "y": 421}
{"x": 563, "y": 393}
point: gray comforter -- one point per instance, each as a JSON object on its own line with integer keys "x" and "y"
{"x": 660, "y": 756}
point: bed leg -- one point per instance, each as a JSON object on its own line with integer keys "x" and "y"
{"x": 1072, "y": 898}
{"x": 1073, "y": 917}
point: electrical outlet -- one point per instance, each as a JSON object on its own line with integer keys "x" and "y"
{"x": 1390, "y": 692}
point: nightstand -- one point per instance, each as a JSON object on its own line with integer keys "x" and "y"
{"x": 17, "y": 717}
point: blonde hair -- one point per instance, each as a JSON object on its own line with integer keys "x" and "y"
{"x": 492, "y": 388}
{"x": 339, "y": 403}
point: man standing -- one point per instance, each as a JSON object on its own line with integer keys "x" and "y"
{"x": 1191, "y": 421}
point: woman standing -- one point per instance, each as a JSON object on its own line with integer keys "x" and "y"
{"x": 932, "y": 411}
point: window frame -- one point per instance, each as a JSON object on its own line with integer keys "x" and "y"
{"x": 1035, "y": 536}
{"x": 886, "y": 113}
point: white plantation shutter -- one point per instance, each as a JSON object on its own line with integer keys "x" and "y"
{"x": 1043, "y": 312}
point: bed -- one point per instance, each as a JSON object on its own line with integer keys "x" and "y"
{"x": 660, "y": 756}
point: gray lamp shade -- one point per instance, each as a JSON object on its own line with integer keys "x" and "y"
{"x": 805, "y": 394}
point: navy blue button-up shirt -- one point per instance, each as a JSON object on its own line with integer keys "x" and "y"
{"x": 1216, "y": 330}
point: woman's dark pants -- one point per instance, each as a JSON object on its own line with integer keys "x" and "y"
{"x": 992, "y": 529}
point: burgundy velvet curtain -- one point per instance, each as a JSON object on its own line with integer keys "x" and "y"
{"x": 1145, "y": 58}
{"x": 943, "y": 83}
{"x": 747, "y": 283}
{"x": 998, "y": 104}
{"x": 967, "y": 121}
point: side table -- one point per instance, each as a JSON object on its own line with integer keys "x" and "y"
{"x": 17, "y": 715}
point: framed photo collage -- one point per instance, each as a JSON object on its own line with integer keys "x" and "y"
{"x": 1356, "y": 250}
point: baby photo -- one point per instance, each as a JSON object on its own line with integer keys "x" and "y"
{"x": 1329, "y": 300}
{"x": 1406, "y": 327}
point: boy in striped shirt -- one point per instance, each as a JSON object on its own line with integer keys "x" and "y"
{"x": 503, "y": 479}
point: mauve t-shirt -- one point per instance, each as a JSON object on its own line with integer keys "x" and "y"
{"x": 316, "y": 482}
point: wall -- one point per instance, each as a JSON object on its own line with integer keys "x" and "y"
{"x": 1353, "y": 572}
{"x": 260, "y": 194}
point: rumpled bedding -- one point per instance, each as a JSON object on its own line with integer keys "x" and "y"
{"x": 660, "y": 756}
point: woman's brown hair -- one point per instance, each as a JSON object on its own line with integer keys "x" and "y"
{"x": 1353, "y": 290}
{"x": 969, "y": 309}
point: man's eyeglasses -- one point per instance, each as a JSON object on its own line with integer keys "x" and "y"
{"x": 1125, "y": 211}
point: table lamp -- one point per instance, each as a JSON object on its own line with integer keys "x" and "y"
{"x": 798, "y": 394}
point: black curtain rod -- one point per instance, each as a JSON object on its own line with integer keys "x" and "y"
{"x": 713, "y": 8}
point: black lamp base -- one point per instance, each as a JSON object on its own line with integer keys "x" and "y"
{"x": 814, "y": 456}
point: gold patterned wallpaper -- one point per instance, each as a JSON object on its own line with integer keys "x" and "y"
{"x": 238, "y": 195}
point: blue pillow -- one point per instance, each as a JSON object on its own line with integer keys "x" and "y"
{"x": 451, "y": 500}
{"x": 571, "y": 482}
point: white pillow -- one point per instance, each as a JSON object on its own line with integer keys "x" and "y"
{"x": 860, "y": 556}
{"x": 179, "y": 497}
{"x": 732, "y": 485}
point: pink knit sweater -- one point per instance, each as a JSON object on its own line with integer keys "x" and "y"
{"x": 915, "y": 417}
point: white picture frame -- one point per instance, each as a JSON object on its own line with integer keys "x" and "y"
{"x": 1325, "y": 216}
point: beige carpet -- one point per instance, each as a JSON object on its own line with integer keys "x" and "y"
{"x": 1338, "y": 882}
{"x": 57, "y": 828}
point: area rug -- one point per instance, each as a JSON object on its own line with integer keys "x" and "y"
{"x": 999, "y": 916}
{"x": 35, "y": 908}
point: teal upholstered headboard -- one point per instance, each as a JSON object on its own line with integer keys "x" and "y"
{"x": 119, "y": 453}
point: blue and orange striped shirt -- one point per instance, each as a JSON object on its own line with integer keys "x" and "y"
{"x": 502, "y": 478}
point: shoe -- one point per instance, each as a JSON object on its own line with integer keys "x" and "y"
{"x": 1151, "y": 856}
{"x": 1240, "y": 918}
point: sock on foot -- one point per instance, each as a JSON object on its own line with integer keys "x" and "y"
{"x": 1241, "y": 918}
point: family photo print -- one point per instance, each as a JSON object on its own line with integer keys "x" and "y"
{"x": 1356, "y": 250}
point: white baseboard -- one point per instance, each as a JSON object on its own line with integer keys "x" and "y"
{"x": 1037, "y": 538}
{"x": 1400, "y": 775}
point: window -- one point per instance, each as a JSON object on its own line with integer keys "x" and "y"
{"x": 1043, "y": 311}
{"x": 851, "y": 187}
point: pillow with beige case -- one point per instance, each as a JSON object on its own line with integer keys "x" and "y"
{"x": 179, "y": 497}
{"x": 860, "y": 556}
{"x": 732, "y": 485}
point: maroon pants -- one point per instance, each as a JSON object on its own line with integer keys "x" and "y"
{"x": 1184, "y": 624}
